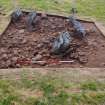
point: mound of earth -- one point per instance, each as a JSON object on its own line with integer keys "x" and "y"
{"x": 21, "y": 48}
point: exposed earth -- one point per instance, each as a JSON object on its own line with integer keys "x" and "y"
{"x": 20, "y": 48}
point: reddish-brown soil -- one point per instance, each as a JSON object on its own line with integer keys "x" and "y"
{"x": 18, "y": 47}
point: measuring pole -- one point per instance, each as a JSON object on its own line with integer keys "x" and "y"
{"x": 15, "y": 4}
{"x": 74, "y": 8}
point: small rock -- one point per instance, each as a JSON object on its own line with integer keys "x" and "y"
{"x": 53, "y": 27}
{"x": 67, "y": 20}
{"x": 9, "y": 55}
{"x": 14, "y": 59}
{"x": 59, "y": 26}
{"x": 46, "y": 55}
{"x": 19, "y": 51}
{"x": 81, "y": 53}
{"x": 74, "y": 55}
{"x": 37, "y": 57}
{"x": 18, "y": 65}
{"x": 5, "y": 56}
{"x": 40, "y": 45}
{"x": 42, "y": 63}
{"x": 81, "y": 66}
{"x": 21, "y": 31}
{"x": 43, "y": 51}
{"x": 86, "y": 47}
{"x": 2, "y": 65}
{"x": 2, "y": 50}
{"x": 8, "y": 63}
{"x": 46, "y": 42}
{"x": 35, "y": 40}
{"x": 24, "y": 41}
{"x": 103, "y": 64}
{"x": 15, "y": 52}
{"x": 32, "y": 43}
{"x": 83, "y": 60}
{"x": 53, "y": 64}
{"x": 46, "y": 25}
{"x": 103, "y": 45}
{"x": 17, "y": 38}
{"x": 44, "y": 16}
{"x": 35, "y": 53}
{"x": 14, "y": 42}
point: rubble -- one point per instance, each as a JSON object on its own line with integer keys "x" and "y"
{"x": 81, "y": 53}
{"x": 18, "y": 65}
{"x": 21, "y": 31}
{"x": 3, "y": 64}
{"x": 2, "y": 50}
{"x": 24, "y": 41}
{"x": 61, "y": 43}
{"x": 80, "y": 30}
{"x": 4, "y": 56}
{"x": 52, "y": 44}
{"x": 8, "y": 63}
{"x": 42, "y": 63}
{"x": 14, "y": 59}
{"x": 31, "y": 21}
{"x": 83, "y": 59}
{"x": 74, "y": 55}
{"x": 16, "y": 15}
{"x": 37, "y": 57}
{"x": 39, "y": 45}
{"x": 44, "y": 16}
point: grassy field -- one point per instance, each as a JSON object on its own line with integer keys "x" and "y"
{"x": 52, "y": 88}
{"x": 93, "y": 8}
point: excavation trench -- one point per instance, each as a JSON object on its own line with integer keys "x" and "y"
{"x": 21, "y": 48}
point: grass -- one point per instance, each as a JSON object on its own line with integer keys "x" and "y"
{"x": 92, "y": 8}
{"x": 38, "y": 89}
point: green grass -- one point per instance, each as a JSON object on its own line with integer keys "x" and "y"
{"x": 93, "y": 8}
{"x": 50, "y": 89}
